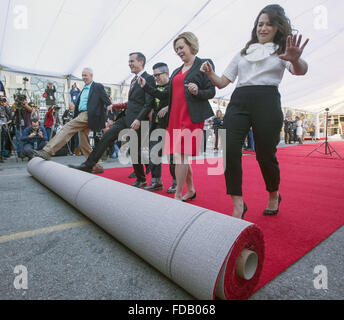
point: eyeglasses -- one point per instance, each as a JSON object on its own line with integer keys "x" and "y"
{"x": 158, "y": 74}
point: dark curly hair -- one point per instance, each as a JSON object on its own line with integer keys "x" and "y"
{"x": 278, "y": 18}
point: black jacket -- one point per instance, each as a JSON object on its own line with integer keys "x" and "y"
{"x": 98, "y": 100}
{"x": 139, "y": 102}
{"x": 50, "y": 99}
{"x": 162, "y": 98}
{"x": 199, "y": 106}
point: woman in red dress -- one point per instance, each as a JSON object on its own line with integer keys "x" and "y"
{"x": 189, "y": 93}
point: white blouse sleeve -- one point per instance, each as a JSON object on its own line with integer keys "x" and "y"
{"x": 231, "y": 71}
{"x": 286, "y": 64}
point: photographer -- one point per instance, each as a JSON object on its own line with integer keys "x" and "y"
{"x": 49, "y": 94}
{"x": 22, "y": 116}
{"x": 52, "y": 113}
{"x": 33, "y": 138}
{"x": 5, "y": 116}
{"x": 74, "y": 92}
{"x": 68, "y": 115}
{"x": 34, "y": 111}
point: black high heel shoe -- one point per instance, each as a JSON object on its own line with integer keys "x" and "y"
{"x": 268, "y": 212}
{"x": 190, "y": 198}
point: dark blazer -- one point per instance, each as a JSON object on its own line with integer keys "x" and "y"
{"x": 98, "y": 100}
{"x": 199, "y": 106}
{"x": 139, "y": 102}
{"x": 162, "y": 99}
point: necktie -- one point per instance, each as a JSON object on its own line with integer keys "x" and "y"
{"x": 133, "y": 82}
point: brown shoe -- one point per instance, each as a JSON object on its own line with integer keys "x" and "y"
{"x": 42, "y": 154}
{"x": 77, "y": 152}
{"x": 97, "y": 168}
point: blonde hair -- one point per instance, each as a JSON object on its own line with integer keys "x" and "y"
{"x": 190, "y": 39}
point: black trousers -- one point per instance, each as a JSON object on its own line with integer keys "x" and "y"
{"x": 172, "y": 167}
{"x": 156, "y": 169}
{"x": 109, "y": 138}
{"x": 259, "y": 107}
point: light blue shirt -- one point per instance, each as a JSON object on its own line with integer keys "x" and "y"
{"x": 84, "y": 97}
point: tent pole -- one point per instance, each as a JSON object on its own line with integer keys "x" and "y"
{"x": 69, "y": 87}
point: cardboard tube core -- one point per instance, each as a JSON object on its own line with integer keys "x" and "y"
{"x": 247, "y": 264}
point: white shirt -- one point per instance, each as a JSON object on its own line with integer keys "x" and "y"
{"x": 299, "y": 129}
{"x": 263, "y": 68}
{"x": 140, "y": 74}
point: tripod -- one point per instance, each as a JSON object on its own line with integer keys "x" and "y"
{"x": 329, "y": 150}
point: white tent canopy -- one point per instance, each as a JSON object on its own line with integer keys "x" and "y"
{"x": 60, "y": 37}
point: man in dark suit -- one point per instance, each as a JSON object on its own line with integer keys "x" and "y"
{"x": 90, "y": 114}
{"x": 136, "y": 110}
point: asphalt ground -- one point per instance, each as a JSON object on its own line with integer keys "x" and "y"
{"x": 68, "y": 257}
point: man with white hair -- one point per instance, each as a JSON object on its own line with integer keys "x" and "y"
{"x": 89, "y": 114}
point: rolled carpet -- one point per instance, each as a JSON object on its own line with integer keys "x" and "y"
{"x": 210, "y": 255}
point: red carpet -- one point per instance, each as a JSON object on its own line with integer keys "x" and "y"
{"x": 312, "y": 208}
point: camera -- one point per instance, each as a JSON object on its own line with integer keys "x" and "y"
{"x": 3, "y": 100}
{"x": 20, "y": 97}
{"x": 19, "y": 100}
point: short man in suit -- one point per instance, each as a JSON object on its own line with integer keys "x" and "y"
{"x": 159, "y": 121}
{"x": 136, "y": 110}
{"x": 89, "y": 114}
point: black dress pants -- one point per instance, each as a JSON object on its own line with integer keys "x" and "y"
{"x": 155, "y": 166}
{"x": 109, "y": 138}
{"x": 259, "y": 107}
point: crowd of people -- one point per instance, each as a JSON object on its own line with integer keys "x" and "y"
{"x": 173, "y": 110}
{"x": 15, "y": 120}
{"x": 296, "y": 130}
{"x": 23, "y": 116}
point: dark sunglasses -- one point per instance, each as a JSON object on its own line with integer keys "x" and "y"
{"x": 158, "y": 74}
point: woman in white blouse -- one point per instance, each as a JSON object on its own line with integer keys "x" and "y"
{"x": 255, "y": 102}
